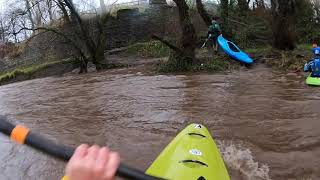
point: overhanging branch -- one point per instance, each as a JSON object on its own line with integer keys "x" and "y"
{"x": 167, "y": 43}
{"x": 69, "y": 40}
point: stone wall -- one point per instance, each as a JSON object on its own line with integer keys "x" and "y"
{"x": 132, "y": 26}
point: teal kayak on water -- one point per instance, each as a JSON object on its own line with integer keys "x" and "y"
{"x": 191, "y": 155}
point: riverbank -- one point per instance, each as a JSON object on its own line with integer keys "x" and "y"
{"x": 287, "y": 61}
{"x": 151, "y": 57}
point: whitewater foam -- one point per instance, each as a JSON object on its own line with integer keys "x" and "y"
{"x": 240, "y": 159}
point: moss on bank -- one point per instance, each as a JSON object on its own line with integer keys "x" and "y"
{"x": 203, "y": 64}
{"x": 29, "y": 72}
{"x": 150, "y": 49}
{"x": 258, "y": 51}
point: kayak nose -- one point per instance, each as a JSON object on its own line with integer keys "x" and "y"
{"x": 248, "y": 60}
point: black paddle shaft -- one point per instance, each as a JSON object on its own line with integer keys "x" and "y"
{"x": 65, "y": 152}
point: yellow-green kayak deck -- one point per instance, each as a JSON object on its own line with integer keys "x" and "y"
{"x": 314, "y": 81}
{"x": 191, "y": 155}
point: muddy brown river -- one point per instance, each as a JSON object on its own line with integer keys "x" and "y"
{"x": 266, "y": 123}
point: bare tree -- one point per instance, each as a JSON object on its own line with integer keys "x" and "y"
{"x": 2, "y": 31}
{"x": 203, "y": 13}
{"x": 78, "y": 33}
{"x": 24, "y": 24}
{"x": 184, "y": 54}
{"x": 28, "y": 9}
{"x": 243, "y": 6}
{"x": 188, "y": 39}
{"x": 224, "y": 4}
{"x": 103, "y": 7}
{"x": 260, "y": 4}
{"x": 13, "y": 26}
{"x": 316, "y": 6}
{"x": 38, "y": 13}
{"x": 94, "y": 45}
{"x": 64, "y": 11}
{"x": 49, "y": 6}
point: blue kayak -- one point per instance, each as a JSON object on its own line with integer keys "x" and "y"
{"x": 233, "y": 51}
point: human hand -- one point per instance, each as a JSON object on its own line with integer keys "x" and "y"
{"x": 92, "y": 163}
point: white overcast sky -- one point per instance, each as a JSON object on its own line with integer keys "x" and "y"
{"x": 3, "y": 3}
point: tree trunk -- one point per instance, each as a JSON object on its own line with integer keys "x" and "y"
{"x": 260, "y": 4}
{"x": 95, "y": 49}
{"x": 243, "y": 6}
{"x": 74, "y": 15}
{"x": 103, "y": 7}
{"x": 83, "y": 65}
{"x": 225, "y": 16}
{"x": 283, "y": 12}
{"x": 188, "y": 39}
{"x": 14, "y": 31}
{"x": 64, "y": 11}
{"x": 38, "y": 14}
{"x": 91, "y": 46}
{"x": 2, "y": 32}
{"x": 316, "y": 8}
{"x": 203, "y": 13}
{"x": 224, "y": 9}
{"x": 28, "y": 8}
{"x": 102, "y": 40}
{"x": 49, "y": 4}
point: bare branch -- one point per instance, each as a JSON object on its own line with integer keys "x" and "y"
{"x": 167, "y": 43}
{"x": 203, "y": 13}
{"x": 237, "y": 22}
{"x": 70, "y": 41}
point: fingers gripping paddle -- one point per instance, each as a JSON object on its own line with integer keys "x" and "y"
{"x": 23, "y": 135}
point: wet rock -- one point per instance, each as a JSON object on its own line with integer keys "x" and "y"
{"x": 91, "y": 67}
{"x": 75, "y": 71}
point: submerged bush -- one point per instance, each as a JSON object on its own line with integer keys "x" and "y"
{"x": 290, "y": 60}
{"x": 151, "y": 49}
{"x": 205, "y": 64}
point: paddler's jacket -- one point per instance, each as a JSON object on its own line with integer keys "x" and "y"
{"x": 214, "y": 30}
{"x": 313, "y": 66}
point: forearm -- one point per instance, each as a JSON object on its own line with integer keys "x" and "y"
{"x": 307, "y": 66}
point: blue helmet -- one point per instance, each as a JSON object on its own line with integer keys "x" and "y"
{"x": 316, "y": 51}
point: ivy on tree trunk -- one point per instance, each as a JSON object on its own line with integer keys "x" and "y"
{"x": 188, "y": 38}
{"x": 283, "y": 12}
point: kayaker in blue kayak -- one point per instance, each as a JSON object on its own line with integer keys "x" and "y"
{"x": 92, "y": 163}
{"x": 214, "y": 31}
{"x": 313, "y": 66}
